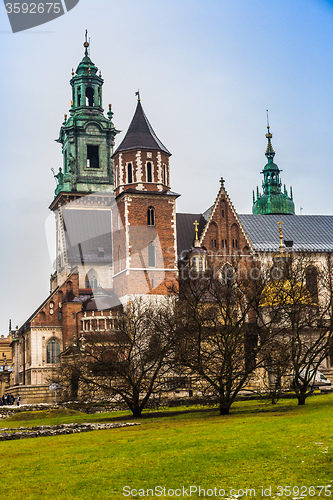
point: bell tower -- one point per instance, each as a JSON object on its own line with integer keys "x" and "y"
{"x": 144, "y": 216}
{"x": 85, "y": 182}
{"x": 87, "y": 136}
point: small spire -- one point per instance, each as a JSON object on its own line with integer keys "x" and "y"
{"x": 86, "y": 44}
{"x": 291, "y": 192}
{"x": 254, "y": 198}
{"x": 196, "y": 224}
{"x": 138, "y": 94}
{"x": 258, "y": 194}
{"x": 72, "y": 71}
{"x": 110, "y": 113}
{"x": 270, "y": 153}
{"x": 222, "y": 181}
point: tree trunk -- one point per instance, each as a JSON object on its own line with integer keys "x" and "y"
{"x": 224, "y": 410}
{"x": 301, "y": 399}
{"x": 136, "y": 412}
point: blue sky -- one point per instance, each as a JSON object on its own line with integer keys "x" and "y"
{"x": 207, "y": 70}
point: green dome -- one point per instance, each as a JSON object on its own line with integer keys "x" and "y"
{"x": 271, "y": 166}
{"x": 273, "y": 204}
{"x": 86, "y": 67}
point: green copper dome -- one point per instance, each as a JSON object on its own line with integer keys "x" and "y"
{"x": 272, "y": 200}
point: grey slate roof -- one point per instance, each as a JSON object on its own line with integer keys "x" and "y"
{"x": 308, "y": 232}
{"x": 88, "y": 235}
{"x": 186, "y": 231}
{"x": 140, "y": 134}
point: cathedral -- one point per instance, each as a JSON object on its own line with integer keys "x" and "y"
{"x": 118, "y": 234}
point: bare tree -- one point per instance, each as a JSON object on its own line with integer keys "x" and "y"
{"x": 129, "y": 364}
{"x": 222, "y": 331}
{"x": 300, "y": 304}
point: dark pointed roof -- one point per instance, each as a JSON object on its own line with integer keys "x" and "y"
{"x": 140, "y": 134}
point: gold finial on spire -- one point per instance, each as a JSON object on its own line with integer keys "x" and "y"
{"x": 196, "y": 224}
{"x": 100, "y": 74}
{"x": 268, "y": 135}
{"x": 280, "y": 236}
{"x": 72, "y": 71}
{"x": 89, "y": 69}
{"x": 86, "y": 44}
{"x": 138, "y": 94}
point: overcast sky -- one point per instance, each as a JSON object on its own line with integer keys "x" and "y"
{"x": 207, "y": 70}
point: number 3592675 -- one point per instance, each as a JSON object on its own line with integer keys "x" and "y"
{"x": 33, "y": 8}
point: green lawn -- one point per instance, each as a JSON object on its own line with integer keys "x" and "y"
{"x": 256, "y": 445}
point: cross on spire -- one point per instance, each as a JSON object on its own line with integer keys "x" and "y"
{"x": 196, "y": 224}
{"x": 86, "y": 44}
{"x": 280, "y": 235}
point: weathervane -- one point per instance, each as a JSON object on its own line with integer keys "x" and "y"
{"x": 138, "y": 94}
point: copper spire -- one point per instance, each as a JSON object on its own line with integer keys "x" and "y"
{"x": 270, "y": 153}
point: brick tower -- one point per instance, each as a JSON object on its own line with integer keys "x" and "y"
{"x": 144, "y": 214}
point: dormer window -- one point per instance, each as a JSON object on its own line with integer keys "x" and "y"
{"x": 129, "y": 174}
{"x": 92, "y": 156}
{"x": 149, "y": 172}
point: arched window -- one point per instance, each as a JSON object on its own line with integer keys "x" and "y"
{"x": 89, "y": 96}
{"x": 151, "y": 216}
{"x": 223, "y": 209}
{"x": 151, "y": 255}
{"x": 149, "y": 172}
{"x": 52, "y": 351}
{"x": 129, "y": 173}
{"x": 214, "y": 235}
{"x": 91, "y": 279}
{"x": 234, "y": 235}
{"x": 79, "y": 96}
{"x": 311, "y": 281}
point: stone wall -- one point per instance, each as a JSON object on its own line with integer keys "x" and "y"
{"x": 8, "y": 434}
